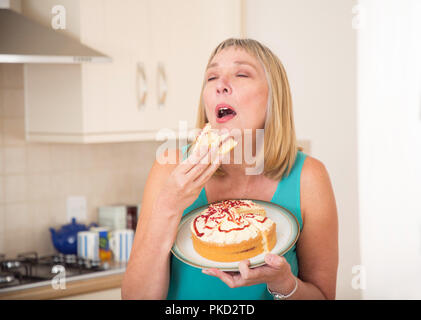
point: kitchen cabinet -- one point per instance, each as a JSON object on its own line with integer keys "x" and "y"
{"x": 159, "y": 51}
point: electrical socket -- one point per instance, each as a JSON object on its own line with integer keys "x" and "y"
{"x": 76, "y": 208}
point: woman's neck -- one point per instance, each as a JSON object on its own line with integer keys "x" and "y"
{"x": 237, "y": 163}
{"x": 238, "y": 173}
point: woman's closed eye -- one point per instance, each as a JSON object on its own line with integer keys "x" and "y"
{"x": 238, "y": 75}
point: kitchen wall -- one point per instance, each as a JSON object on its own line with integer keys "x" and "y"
{"x": 316, "y": 42}
{"x": 36, "y": 178}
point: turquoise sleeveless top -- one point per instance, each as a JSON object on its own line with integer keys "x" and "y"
{"x": 189, "y": 283}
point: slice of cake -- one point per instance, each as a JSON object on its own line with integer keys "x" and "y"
{"x": 233, "y": 230}
{"x": 210, "y": 138}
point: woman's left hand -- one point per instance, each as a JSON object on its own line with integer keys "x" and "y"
{"x": 276, "y": 274}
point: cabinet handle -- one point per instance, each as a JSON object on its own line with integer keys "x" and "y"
{"x": 162, "y": 88}
{"x": 141, "y": 85}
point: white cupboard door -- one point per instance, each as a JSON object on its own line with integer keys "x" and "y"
{"x": 185, "y": 33}
{"x": 94, "y": 75}
{"x": 129, "y": 31}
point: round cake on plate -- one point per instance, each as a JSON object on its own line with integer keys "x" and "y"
{"x": 232, "y": 230}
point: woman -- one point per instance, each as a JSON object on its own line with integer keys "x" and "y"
{"x": 248, "y": 78}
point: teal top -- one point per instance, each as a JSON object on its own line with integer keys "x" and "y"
{"x": 189, "y": 283}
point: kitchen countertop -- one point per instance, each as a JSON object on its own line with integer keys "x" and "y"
{"x": 96, "y": 281}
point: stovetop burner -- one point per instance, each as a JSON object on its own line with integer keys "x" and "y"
{"x": 29, "y": 268}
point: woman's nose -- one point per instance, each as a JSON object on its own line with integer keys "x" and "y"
{"x": 223, "y": 87}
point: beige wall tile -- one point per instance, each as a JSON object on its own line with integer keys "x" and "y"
{"x": 121, "y": 186}
{"x": 103, "y": 186}
{"x": 17, "y": 217}
{"x": 16, "y": 241}
{"x": 14, "y": 160}
{"x": 13, "y": 103}
{"x": 11, "y": 76}
{"x": 1, "y": 130}
{"x": 2, "y": 229}
{"x": 144, "y": 153}
{"x": 2, "y": 200}
{"x": 78, "y": 185}
{"x": 86, "y": 158}
{"x": 14, "y": 188}
{"x": 102, "y": 155}
{"x": 63, "y": 157}
{"x": 1, "y": 97}
{"x": 140, "y": 176}
{"x": 58, "y": 215}
{"x": 61, "y": 183}
{"x": 40, "y": 218}
{"x": 13, "y": 131}
{"x": 38, "y": 187}
{"x": 120, "y": 155}
{"x": 1, "y": 161}
{"x": 93, "y": 203}
{"x": 102, "y": 189}
{"x": 38, "y": 158}
{"x": 85, "y": 185}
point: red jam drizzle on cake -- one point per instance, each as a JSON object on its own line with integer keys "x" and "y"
{"x": 225, "y": 211}
{"x": 232, "y": 230}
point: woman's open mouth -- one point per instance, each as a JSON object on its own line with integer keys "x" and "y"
{"x": 224, "y": 113}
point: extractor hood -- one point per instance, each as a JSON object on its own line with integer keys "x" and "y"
{"x": 24, "y": 41}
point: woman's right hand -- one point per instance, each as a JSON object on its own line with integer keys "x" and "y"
{"x": 185, "y": 182}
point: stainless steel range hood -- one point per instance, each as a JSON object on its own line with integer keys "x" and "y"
{"x": 25, "y": 41}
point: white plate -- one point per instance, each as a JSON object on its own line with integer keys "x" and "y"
{"x": 287, "y": 232}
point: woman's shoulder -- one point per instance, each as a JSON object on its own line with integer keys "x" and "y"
{"x": 314, "y": 174}
{"x": 312, "y": 166}
{"x": 315, "y": 184}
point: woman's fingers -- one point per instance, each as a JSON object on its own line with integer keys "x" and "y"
{"x": 194, "y": 159}
{"x": 244, "y": 269}
{"x": 275, "y": 270}
{"x": 229, "y": 279}
{"x": 204, "y": 175}
{"x": 275, "y": 261}
{"x": 210, "y": 158}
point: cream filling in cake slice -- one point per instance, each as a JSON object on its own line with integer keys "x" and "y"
{"x": 208, "y": 137}
{"x": 248, "y": 207}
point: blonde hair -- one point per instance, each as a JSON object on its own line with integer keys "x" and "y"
{"x": 280, "y": 145}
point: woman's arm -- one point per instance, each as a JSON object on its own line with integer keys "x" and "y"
{"x": 147, "y": 273}
{"x": 317, "y": 247}
{"x": 169, "y": 190}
